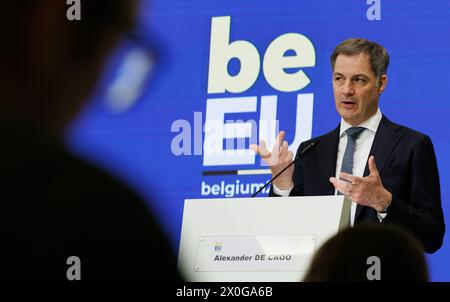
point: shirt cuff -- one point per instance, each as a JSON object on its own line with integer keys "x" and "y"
{"x": 282, "y": 193}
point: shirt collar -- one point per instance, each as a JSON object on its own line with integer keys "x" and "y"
{"x": 371, "y": 123}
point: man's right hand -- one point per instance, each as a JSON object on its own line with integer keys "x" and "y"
{"x": 277, "y": 160}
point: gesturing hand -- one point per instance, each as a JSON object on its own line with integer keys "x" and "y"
{"x": 367, "y": 191}
{"x": 277, "y": 160}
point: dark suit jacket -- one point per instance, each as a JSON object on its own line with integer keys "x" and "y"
{"x": 407, "y": 164}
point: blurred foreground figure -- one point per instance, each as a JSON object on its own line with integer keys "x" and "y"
{"x": 53, "y": 204}
{"x": 369, "y": 252}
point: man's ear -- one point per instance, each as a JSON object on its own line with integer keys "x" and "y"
{"x": 382, "y": 84}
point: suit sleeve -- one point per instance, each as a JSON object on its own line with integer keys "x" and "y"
{"x": 422, "y": 214}
{"x": 297, "y": 177}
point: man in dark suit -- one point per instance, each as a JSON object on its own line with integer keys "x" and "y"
{"x": 399, "y": 184}
{"x": 61, "y": 218}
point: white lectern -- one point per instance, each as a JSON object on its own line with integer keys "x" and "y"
{"x": 256, "y": 239}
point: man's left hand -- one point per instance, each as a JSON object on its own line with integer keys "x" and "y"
{"x": 366, "y": 191}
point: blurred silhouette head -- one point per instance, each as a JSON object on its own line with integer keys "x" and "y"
{"x": 349, "y": 256}
{"x": 48, "y": 64}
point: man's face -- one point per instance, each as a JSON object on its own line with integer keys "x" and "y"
{"x": 355, "y": 88}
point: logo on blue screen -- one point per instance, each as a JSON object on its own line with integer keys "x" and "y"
{"x": 287, "y": 51}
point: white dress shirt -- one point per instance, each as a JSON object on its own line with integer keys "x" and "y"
{"x": 360, "y": 156}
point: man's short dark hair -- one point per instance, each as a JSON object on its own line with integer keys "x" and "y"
{"x": 378, "y": 56}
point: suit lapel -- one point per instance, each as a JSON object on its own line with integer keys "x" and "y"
{"x": 328, "y": 147}
{"x": 386, "y": 138}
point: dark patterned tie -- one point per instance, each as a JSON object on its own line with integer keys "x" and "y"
{"x": 347, "y": 164}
